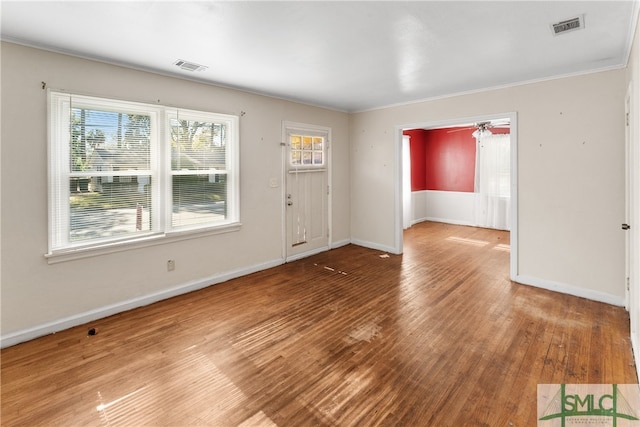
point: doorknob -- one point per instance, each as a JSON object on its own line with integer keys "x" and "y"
{"x": 626, "y": 226}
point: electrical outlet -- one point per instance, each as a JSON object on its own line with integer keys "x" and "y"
{"x": 171, "y": 265}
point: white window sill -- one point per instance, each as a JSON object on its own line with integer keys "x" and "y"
{"x": 70, "y": 254}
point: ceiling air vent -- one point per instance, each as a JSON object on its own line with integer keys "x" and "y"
{"x": 189, "y": 66}
{"x": 572, "y": 24}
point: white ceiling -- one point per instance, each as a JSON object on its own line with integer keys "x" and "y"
{"x": 349, "y": 56}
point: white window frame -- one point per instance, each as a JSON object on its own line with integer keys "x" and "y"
{"x": 60, "y": 248}
{"x": 302, "y": 133}
{"x": 231, "y": 163}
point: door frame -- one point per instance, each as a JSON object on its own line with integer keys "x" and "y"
{"x": 632, "y": 216}
{"x": 513, "y": 118}
{"x": 286, "y": 124}
{"x": 628, "y": 176}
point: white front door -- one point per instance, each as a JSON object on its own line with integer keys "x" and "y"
{"x": 306, "y": 190}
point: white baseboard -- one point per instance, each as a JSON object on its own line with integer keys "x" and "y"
{"x": 319, "y": 250}
{"x": 307, "y": 254}
{"x": 418, "y": 220}
{"x": 375, "y": 246}
{"x": 448, "y": 221}
{"x": 571, "y": 290}
{"x": 636, "y": 354}
{"x": 99, "y": 313}
{"x": 340, "y": 243}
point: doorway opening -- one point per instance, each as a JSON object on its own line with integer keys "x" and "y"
{"x": 461, "y": 172}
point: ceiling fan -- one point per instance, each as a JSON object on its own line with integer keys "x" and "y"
{"x": 482, "y": 128}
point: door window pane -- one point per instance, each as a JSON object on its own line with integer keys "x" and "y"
{"x": 306, "y": 150}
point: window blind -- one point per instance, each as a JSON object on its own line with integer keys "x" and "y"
{"x": 121, "y": 170}
{"x": 198, "y": 170}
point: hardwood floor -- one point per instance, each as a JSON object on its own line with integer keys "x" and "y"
{"x": 436, "y": 337}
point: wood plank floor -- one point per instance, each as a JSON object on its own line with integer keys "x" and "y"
{"x": 436, "y": 337}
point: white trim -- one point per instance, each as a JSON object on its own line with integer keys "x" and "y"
{"x": 492, "y": 88}
{"x": 634, "y": 350}
{"x": 632, "y": 211}
{"x": 17, "y": 337}
{"x": 564, "y": 288}
{"x": 340, "y": 243}
{"x": 445, "y": 221}
{"x": 306, "y": 170}
{"x": 283, "y": 189}
{"x": 376, "y": 246}
{"x": 307, "y": 254}
{"x": 304, "y": 127}
{"x": 628, "y": 167}
{"x": 398, "y": 217}
{"x": 70, "y": 254}
{"x": 514, "y": 220}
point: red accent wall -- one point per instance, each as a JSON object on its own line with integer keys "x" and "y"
{"x": 444, "y": 159}
{"x": 418, "y": 156}
{"x": 450, "y": 159}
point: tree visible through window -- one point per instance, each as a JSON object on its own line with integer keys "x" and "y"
{"x": 114, "y": 176}
{"x": 106, "y": 198}
{"x": 198, "y": 169}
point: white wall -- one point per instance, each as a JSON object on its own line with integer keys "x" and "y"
{"x": 452, "y": 207}
{"x": 570, "y": 169}
{"x": 457, "y": 207}
{"x": 38, "y": 297}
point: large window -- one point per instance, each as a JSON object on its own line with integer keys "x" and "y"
{"x": 122, "y": 171}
